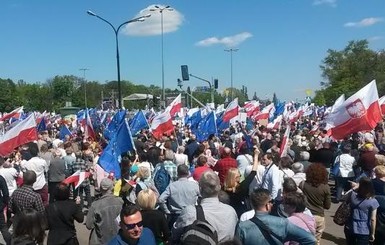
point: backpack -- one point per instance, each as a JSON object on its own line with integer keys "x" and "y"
{"x": 162, "y": 179}
{"x": 200, "y": 232}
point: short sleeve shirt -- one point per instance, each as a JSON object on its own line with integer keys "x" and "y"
{"x": 361, "y": 214}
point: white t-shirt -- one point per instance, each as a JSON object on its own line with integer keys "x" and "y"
{"x": 9, "y": 174}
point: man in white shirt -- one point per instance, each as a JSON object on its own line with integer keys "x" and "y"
{"x": 271, "y": 179}
{"x": 40, "y": 167}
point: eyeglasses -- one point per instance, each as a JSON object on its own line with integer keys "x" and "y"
{"x": 132, "y": 226}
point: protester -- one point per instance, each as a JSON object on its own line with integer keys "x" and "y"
{"x": 131, "y": 230}
{"x": 221, "y": 216}
{"x": 201, "y": 167}
{"x": 152, "y": 218}
{"x": 224, "y": 164}
{"x": 101, "y": 217}
{"x": 29, "y": 228}
{"x": 271, "y": 179}
{"x": 318, "y": 197}
{"x": 61, "y": 215}
{"x": 56, "y": 174}
{"x": 254, "y": 231}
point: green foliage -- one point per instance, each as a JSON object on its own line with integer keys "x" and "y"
{"x": 348, "y": 70}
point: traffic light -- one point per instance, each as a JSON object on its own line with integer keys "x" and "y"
{"x": 180, "y": 83}
{"x": 185, "y": 74}
{"x": 216, "y": 83}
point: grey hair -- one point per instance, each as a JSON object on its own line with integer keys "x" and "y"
{"x": 304, "y": 155}
{"x": 209, "y": 184}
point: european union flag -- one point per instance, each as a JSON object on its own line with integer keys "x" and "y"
{"x": 121, "y": 142}
{"x": 41, "y": 126}
{"x": 194, "y": 120}
{"x": 114, "y": 124}
{"x": 138, "y": 122}
{"x": 221, "y": 125}
{"x": 206, "y": 127}
{"x": 64, "y": 131}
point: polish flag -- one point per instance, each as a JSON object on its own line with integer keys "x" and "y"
{"x": 24, "y": 132}
{"x": 251, "y": 107}
{"x": 284, "y": 145}
{"x": 265, "y": 113}
{"x": 77, "y": 178}
{"x": 15, "y": 113}
{"x": 88, "y": 128}
{"x": 381, "y": 101}
{"x": 360, "y": 112}
{"x": 231, "y": 110}
{"x": 276, "y": 124}
{"x": 175, "y": 105}
{"x": 162, "y": 124}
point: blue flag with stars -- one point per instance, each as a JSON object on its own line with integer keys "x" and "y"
{"x": 112, "y": 127}
{"x": 121, "y": 142}
{"x": 41, "y": 126}
{"x": 221, "y": 125}
{"x": 64, "y": 131}
{"x": 206, "y": 127}
{"x": 138, "y": 122}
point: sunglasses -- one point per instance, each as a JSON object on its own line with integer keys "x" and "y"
{"x": 132, "y": 226}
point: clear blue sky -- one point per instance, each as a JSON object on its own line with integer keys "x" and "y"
{"x": 281, "y": 43}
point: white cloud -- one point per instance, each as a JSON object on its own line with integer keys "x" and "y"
{"x": 332, "y": 3}
{"x": 375, "y": 38}
{"x": 151, "y": 26}
{"x": 364, "y": 23}
{"x": 231, "y": 41}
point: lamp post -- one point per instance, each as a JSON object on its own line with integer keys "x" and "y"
{"x": 116, "y": 31}
{"x": 231, "y": 50}
{"x": 85, "y": 85}
{"x": 160, "y": 9}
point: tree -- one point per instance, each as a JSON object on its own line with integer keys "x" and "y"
{"x": 348, "y": 70}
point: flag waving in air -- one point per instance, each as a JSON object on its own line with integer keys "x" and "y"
{"x": 360, "y": 112}
{"x": 175, "y": 105}
{"x": 231, "y": 110}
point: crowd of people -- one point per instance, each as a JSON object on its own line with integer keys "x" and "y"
{"x": 235, "y": 188}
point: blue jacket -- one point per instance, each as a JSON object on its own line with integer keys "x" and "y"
{"x": 147, "y": 238}
{"x": 249, "y": 233}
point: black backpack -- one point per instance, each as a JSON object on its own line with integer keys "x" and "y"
{"x": 200, "y": 232}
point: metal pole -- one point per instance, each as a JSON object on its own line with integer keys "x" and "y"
{"x": 231, "y": 50}
{"x": 85, "y": 85}
{"x": 163, "y": 89}
{"x": 116, "y": 31}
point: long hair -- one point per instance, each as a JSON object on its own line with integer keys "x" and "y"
{"x": 230, "y": 182}
{"x": 30, "y": 223}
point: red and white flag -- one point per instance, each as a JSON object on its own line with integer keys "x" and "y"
{"x": 162, "y": 124}
{"x": 381, "y": 101}
{"x": 77, "y": 178}
{"x": 88, "y": 128}
{"x": 175, "y": 105}
{"x": 251, "y": 107}
{"x": 231, "y": 110}
{"x": 276, "y": 123}
{"x": 15, "y": 113}
{"x": 24, "y": 132}
{"x": 265, "y": 113}
{"x": 360, "y": 112}
{"x": 284, "y": 145}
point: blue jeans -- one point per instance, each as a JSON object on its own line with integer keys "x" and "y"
{"x": 355, "y": 239}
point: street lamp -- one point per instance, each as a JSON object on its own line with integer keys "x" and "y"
{"x": 231, "y": 50}
{"x": 160, "y": 9}
{"x": 116, "y": 30}
{"x": 85, "y": 85}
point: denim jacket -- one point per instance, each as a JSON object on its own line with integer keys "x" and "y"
{"x": 249, "y": 234}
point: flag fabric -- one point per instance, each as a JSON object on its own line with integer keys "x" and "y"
{"x": 175, "y": 106}
{"x": 222, "y": 125}
{"x": 121, "y": 142}
{"x": 64, "y": 131}
{"x": 251, "y": 107}
{"x": 231, "y": 110}
{"x": 360, "y": 112}
{"x": 284, "y": 144}
{"x": 276, "y": 124}
{"x": 88, "y": 128}
{"x": 206, "y": 127}
{"x": 191, "y": 116}
{"x": 381, "y": 101}
{"x": 24, "y": 132}
{"x": 138, "y": 123}
{"x": 265, "y": 113}
{"x": 77, "y": 178}
{"x": 162, "y": 124}
{"x": 15, "y": 113}
{"x": 114, "y": 124}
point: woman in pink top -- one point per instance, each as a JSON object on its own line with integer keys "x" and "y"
{"x": 294, "y": 206}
